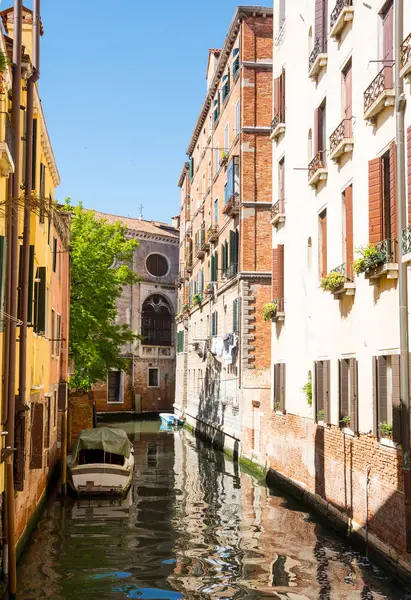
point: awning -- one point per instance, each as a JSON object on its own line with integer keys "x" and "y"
{"x": 103, "y": 438}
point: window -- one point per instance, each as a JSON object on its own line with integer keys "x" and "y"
{"x": 47, "y": 431}
{"x": 347, "y": 98}
{"x": 180, "y": 341}
{"x": 237, "y": 118}
{"x": 54, "y": 254}
{"x": 191, "y": 166}
{"x": 34, "y": 163}
{"x": 348, "y": 235}
{"x": 214, "y": 323}
{"x": 279, "y": 98}
{"x": 278, "y": 276}
{"x": 235, "y": 315}
{"x": 321, "y": 24}
{"x": 348, "y": 395}
{"x": 232, "y": 187}
{"x": 214, "y": 267}
{"x": 387, "y": 42}
{"x": 157, "y": 265}
{"x": 217, "y": 107}
{"x": 386, "y": 396}
{"x": 156, "y": 321}
{"x": 234, "y": 244}
{"x": 322, "y": 391}
{"x": 37, "y": 435}
{"x": 382, "y": 199}
{"x": 58, "y": 335}
{"x": 42, "y": 191}
{"x": 115, "y": 387}
{"x": 40, "y": 301}
{"x": 216, "y": 210}
{"x": 226, "y": 138}
{"x": 153, "y": 377}
{"x": 216, "y": 159}
{"x": 322, "y": 243}
{"x": 320, "y": 140}
{"x": 279, "y": 387}
{"x": 54, "y": 409}
{"x": 53, "y": 331}
{"x": 226, "y": 85}
{"x": 224, "y": 255}
{"x": 236, "y": 61}
{"x": 281, "y": 14}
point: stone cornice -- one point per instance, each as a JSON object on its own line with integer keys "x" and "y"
{"x": 139, "y": 235}
{"x": 45, "y": 140}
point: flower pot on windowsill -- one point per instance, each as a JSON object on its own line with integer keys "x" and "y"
{"x": 385, "y": 430}
{"x": 345, "y": 422}
{"x": 223, "y": 159}
{"x": 332, "y": 281}
{"x": 269, "y": 311}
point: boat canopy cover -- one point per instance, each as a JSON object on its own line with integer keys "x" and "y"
{"x": 103, "y": 438}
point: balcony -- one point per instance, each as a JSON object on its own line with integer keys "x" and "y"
{"x": 232, "y": 270}
{"x": 406, "y": 245}
{"x": 278, "y": 124}
{"x": 343, "y": 13}
{"x": 278, "y": 213}
{"x": 189, "y": 260}
{"x": 212, "y": 234}
{"x": 202, "y": 244}
{"x": 232, "y": 206}
{"x": 406, "y": 58}
{"x": 379, "y": 94}
{"x": 318, "y": 58}
{"x": 384, "y": 262}
{"x": 340, "y": 281}
{"x": 7, "y": 151}
{"x": 317, "y": 169}
{"x": 341, "y": 140}
{"x": 280, "y": 314}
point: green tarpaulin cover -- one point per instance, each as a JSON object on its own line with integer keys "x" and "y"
{"x": 103, "y": 438}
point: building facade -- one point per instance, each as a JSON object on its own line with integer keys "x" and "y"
{"x": 333, "y": 423}
{"x": 149, "y": 308}
{"x": 223, "y": 345}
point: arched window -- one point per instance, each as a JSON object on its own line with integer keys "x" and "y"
{"x": 156, "y": 321}
{"x": 157, "y": 265}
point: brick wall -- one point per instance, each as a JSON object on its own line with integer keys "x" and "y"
{"x": 80, "y": 415}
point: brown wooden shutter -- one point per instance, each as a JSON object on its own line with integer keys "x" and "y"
{"x": 62, "y": 398}
{"x": 316, "y": 128}
{"x": 282, "y": 93}
{"x": 374, "y": 200}
{"x": 320, "y": 20}
{"x": 393, "y": 191}
{"x": 282, "y": 387}
{"x": 344, "y": 370}
{"x": 375, "y": 394}
{"x": 275, "y": 273}
{"x": 37, "y": 425}
{"x": 19, "y": 456}
{"x": 353, "y": 365}
{"x": 409, "y": 173}
{"x": 276, "y": 95}
{"x": 396, "y": 398}
{"x": 278, "y": 272}
{"x": 349, "y": 234}
{"x": 326, "y": 390}
{"x": 382, "y": 389}
{"x": 319, "y": 388}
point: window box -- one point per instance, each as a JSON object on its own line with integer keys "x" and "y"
{"x": 339, "y": 282}
{"x": 232, "y": 207}
{"x": 318, "y": 59}
{"x": 342, "y": 14}
{"x": 380, "y": 94}
{"x": 278, "y": 125}
{"x": 280, "y": 314}
{"x": 406, "y": 58}
{"x": 223, "y": 159}
{"x": 378, "y": 260}
{"x": 278, "y": 213}
{"x": 212, "y": 234}
{"x": 317, "y": 169}
{"x": 341, "y": 140}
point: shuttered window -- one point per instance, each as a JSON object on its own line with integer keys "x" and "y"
{"x": 322, "y": 391}
{"x": 42, "y": 191}
{"x": 63, "y": 389}
{"x": 382, "y": 197}
{"x": 214, "y": 267}
{"x": 348, "y": 393}
{"x": 386, "y": 396}
{"x": 34, "y": 163}
{"x": 31, "y": 287}
{"x": 278, "y": 273}
{"x": 279, "y": 387}
{"x": 58, "y": 335}
{"x": 180, "y": 341}
{"x": 279, "y": 97}
{"x": 37, "y": 434}
{"x": 235, "y": 315}
{"x": 322, "y": 243}
{"x": 53, "y": 331}
{"x": 47, "y": 405}
{"x": 40, "y": 301}
{"x": 214, "y": 323}
{"x": 234, "y": 251}
{"x": 320, "y": 25}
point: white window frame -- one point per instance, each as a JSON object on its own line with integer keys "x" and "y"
{"x": 158, "y": 377}
{"x": 121, "y": 400}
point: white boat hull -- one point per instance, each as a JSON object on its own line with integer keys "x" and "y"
{"x": 96, "y": 479}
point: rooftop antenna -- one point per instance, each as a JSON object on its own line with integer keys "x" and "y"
{"x": 141, "y": 206}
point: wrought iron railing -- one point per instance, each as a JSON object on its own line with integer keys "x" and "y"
{"x": 280, "y": 304}
{"x": 318, "y": 162}
{"x": 406, "y": 50}
{"x": 385, "y": 252}
{"x": 340, "y": 4}
{"x": 341, "y": 133}
{"x": 279, "y": 117}
{"x": 320, "y": 47}
{"x": 232, "y": 204}
{"x": 232, "y": 270}
{"x": 346, "y": 270}
{"x": 277, "y": 208}
{"x": 383, "y": 81}
{"x": 10, "y": 136}
{"x": 406, "y": 240}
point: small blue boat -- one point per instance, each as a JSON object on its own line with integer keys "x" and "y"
{"x": 167, "y": 418}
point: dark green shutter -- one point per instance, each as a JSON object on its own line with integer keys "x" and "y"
{"x": 40, "y": 301}
{"x": 30, "y": 290}
{"x": 232, "y": 248}
{"x": 235, "y": 315}
{"x": 34, "y": 163}
{"x": 20, "y": 282}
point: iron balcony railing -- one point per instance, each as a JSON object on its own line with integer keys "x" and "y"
{"x": 277, "y": 208}
{"x": 341, "y": 133}
{"x": 340, "y": 4}
{"x": 406, "y": 240}
{"x": 279, "y": 117}
{"x": 320, "y": 47}
{"x": 386, "y": 252}
{"x": 232, "y": 204}
{"x": 280, "y": 304}
{"x": 406, "y": 51}
{"x": 231, "y": 270}
{"x": 346, "y": 270}
{"x": 383, "y": 81}
{"x": 318, "y": 162}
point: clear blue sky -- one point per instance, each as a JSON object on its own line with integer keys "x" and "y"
{"x": 122, "y": 84}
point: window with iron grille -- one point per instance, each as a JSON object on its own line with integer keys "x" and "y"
{"x": 214, "y": 323}
{"x": 153, "y": 377}
{"x": 114, "y": 386}
{"x": 156, "y": 321}
{"x": 157, "y": 265}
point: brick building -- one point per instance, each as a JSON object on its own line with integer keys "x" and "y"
{"x": 223, "y": 345}
{"x": 333, "y": 423}
{"x": 149, "y": 308}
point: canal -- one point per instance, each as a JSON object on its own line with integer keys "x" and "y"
{"x": 194, "y": 525}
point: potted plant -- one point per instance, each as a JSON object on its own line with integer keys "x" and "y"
{"x": 320, "y": 415}
{"x": 209, "y": 290}
{"x": 223, "y": 158}
{"x": 186, "y": 308}
{"x": 269, "y": 311}
{"x": 332, "y": 281}
{"x": 196, "y": 299}
{"x": 346, "y": 420}
{"x": 277, "y": 406}
{"x": 385, "y": 430}
{"x": 308, "y": 390}
{"x": 369, "y": 257}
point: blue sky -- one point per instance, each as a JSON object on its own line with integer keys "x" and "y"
{"x": 122, "y": 84}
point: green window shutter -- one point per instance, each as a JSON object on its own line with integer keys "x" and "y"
{"x": 235, "y": 315}
{"x": 232, "y": 248}
{"x": 216, "y": 266}
{"x": 34, "y": 163}
{"x": 40, "y": 302}
{"x": 213, "y": 269}
{"x": 30, "y": 290}
{"x": 20, "y": 282}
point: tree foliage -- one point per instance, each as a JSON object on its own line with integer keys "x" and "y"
{"x": 100, "y": 267}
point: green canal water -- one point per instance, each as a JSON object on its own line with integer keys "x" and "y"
{"x": 193, "y": 526}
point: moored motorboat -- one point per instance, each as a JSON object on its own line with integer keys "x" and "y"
{"x": 170, "y": 419}
{"x": 102, "y": 462}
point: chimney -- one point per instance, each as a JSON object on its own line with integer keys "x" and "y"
{"x": 27, "y": 29}
{"x": 213, "y": 57}
{"x": 175, "y": 222}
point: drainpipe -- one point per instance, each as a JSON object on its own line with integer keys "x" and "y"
{"x": 12, "y": 269}
{"x": 403, "y": 270}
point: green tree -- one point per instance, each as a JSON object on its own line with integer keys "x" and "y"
{"x": 100, "y": 268}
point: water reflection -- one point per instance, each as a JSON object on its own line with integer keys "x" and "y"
{"x": 192, "y": 526}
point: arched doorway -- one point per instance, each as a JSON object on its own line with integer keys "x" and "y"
{"x": 156, "y": 321}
